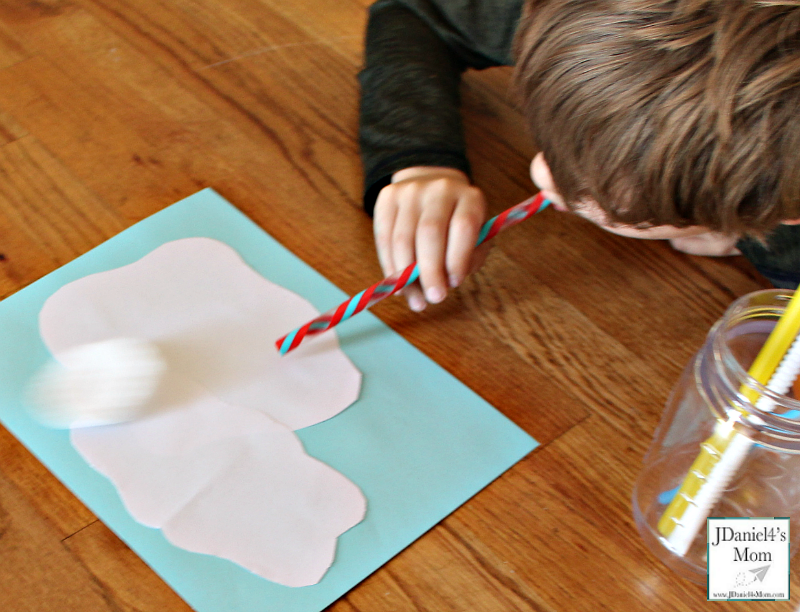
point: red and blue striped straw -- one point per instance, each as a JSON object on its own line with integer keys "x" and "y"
{"x": 397, "y": 282}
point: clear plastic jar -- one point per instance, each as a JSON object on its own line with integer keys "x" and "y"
{"x": 710, "y": 400}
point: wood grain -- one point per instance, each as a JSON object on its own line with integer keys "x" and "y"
{"x": 36, "y": 572}
{"x": 126, "y": 582}
{"x": 11, "y": 51}
{"x": 10, "y": 130}
{"x": 111, "y": 110}
{"x": 42, "y": 490}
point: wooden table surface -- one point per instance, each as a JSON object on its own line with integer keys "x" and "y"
{"x": 111, "y": 110}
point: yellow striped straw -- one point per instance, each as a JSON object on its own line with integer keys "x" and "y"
{"x": 724, "y": 438}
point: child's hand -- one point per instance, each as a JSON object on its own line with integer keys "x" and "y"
{"x": 432, "y": 215}
{"x": 710, "y": 244}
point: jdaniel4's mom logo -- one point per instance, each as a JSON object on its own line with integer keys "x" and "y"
{"x": 748, "y": 558}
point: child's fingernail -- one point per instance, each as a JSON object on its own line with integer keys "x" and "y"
{"x": 454, "y": 281}
{"x": 416, "y": 303}
{"x": 435, "y": 294}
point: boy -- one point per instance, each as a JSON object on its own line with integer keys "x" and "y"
{"x": 675, "y": 120}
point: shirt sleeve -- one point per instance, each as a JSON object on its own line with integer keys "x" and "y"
{"x": 416, "y": 51}
{"x": 779, "y": 259}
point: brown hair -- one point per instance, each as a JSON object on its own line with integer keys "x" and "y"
{"x": 668, "y": 112}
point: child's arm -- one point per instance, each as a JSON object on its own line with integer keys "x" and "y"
{"x": 410, "y": 131}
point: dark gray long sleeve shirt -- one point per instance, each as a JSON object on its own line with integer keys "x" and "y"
{"x": 416, "y": 51}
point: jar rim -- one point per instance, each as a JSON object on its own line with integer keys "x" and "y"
{"x": 765, "y": 304}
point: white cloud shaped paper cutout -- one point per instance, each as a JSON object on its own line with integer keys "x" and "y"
{"x": 216, "y": 464}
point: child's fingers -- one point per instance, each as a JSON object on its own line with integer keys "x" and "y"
{"x": 384, "y": 216}
{"x": 412, "y": 223}
{"x": 465, "y": 226}
{"x": 403, "y": 244}
{"x": 414, "y": 297}
{"x": 404, "y": 232}
{"x": 431, "y": 243}
{"x": 384, "y": 221}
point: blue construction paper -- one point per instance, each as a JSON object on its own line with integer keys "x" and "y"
{"x": 417, "y": 442}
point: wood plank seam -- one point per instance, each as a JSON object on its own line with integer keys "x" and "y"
{"x": 77, "y": 531}
{"x": 507, "y": 582}
{"x": 263, "y": 50}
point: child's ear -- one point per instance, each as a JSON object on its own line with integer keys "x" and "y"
{"x": 540, "y": 173}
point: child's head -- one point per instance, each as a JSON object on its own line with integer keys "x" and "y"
{"x": 681, "y": 112}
